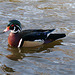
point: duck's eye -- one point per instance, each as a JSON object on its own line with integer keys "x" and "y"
{"x": 12, "y": 25}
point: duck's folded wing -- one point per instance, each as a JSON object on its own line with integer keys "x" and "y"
{"x": 36, "y": 38}
{"x": 34, "y": 35}
{"x": 35, "y": 30}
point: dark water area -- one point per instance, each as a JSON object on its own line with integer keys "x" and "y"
{"x": 56, "y": 58}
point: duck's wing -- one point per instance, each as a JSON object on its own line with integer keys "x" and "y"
{"x": 35, "y": 30}
{"x": 35, "y": 35}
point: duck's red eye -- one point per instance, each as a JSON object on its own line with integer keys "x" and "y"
{"x": 12, "y": 25}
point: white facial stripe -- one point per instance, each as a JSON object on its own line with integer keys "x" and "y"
{"x": 19, "y": 27}
{"x": 14, "y": 30}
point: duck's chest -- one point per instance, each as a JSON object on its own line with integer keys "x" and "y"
{"x": 13, "y": 39}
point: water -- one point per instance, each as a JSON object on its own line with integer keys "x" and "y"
{"x": 57, "y": 58}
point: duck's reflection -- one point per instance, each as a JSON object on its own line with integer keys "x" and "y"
{"x": 15, "y": 54}
{"x": 7, "y": 69}
{"x": 18, "y": 54}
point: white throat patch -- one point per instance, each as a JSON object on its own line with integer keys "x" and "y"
{"x": 15, "y": 31}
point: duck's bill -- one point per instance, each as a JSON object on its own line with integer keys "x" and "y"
{"x": 7, "y": 29}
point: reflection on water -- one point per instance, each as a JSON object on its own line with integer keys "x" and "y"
{"x": 7, "y": 69}
{"x": 56, "y": 58}
{"x": 19, "y": 53}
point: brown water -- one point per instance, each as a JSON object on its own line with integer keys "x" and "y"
{"x": 57, "y": 58}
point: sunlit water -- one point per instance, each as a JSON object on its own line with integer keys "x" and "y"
{"x": 57, "y": 58}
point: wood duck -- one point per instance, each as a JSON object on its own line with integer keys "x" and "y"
{"x": 30, "y": 37}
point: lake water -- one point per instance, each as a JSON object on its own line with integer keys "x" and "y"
{"x": 56, "y": 58}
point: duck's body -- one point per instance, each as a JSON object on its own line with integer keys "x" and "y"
{"x": 29, "y": 38}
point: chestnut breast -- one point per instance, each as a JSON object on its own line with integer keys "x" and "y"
{"x": 13, "y": 39}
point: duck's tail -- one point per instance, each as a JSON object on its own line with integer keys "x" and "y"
{"x": 53, "y": 37}
{"x": 56, "y": 36}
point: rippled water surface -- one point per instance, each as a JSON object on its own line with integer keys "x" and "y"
{"x": 56, "y": 58}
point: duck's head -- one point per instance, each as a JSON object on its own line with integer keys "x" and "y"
{"x": 14, "y": 26}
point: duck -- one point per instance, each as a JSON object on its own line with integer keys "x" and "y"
{"x": 30, "y": 37}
